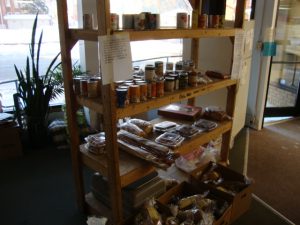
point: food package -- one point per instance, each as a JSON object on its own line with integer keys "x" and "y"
{"x": 96, "y": 143}
{"x": 187, "y": 131}
{"x": 165, "y": 126}
{"x": 150, "y": 151}
{"x": 169, "y": 139}
{"x": 216, "y": 74}
{"x": 146, "y": 126}
{"x": 132, "y": 128}
{"x": 216, "y": 113}
{"x": 205, "y": 125}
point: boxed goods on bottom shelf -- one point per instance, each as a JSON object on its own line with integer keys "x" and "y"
{"x": 233, "y": 186}
{"x": 134, "y": 195}
{"x": 185, "y": 204}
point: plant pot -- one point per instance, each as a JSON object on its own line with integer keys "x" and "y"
{"x": 37, "y": 131}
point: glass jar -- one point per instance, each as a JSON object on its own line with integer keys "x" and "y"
{"x": 160, "y": 87}
{"x": 149, "y": 73}
{"x": 183, "y": 80}
{"x": 193, "y": 79}
{"x": 176, "y": 80}
{"x": 159, "y": 68}
{"x": 169, "y": 84}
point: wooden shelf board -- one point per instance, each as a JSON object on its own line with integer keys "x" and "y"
{"x": 131, "y": 168}
{"x": 189, "y": 144}
{"x": 169, "y": 98}
{"x": 92, "y": 103}
{"x": 92, "y": 35}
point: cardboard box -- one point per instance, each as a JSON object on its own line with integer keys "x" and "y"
{"x": 240, "y": 201}
{"x": 185, "y": 189}
{"x": 180, "y": 112}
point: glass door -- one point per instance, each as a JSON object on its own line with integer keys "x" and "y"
{"x": 283, "y": 89}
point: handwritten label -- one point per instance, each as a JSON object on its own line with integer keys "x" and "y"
{"x": 115, "y": 57}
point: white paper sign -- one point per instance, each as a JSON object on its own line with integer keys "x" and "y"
{"x": 238, "y": 54}
{"x": 115, "y": 57}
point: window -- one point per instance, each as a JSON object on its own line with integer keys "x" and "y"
{"x": 16, "y": 19}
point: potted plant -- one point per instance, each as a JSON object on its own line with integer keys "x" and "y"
{"x": 36, "y": 91}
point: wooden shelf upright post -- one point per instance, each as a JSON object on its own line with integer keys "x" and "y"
{"x": 66, "y": 46}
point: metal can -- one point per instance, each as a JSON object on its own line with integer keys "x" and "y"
{"x": 114, "y": 21}
{"x": 140, "y": 21}
{"x": 154, "y": 21}
{"x": 203, "y": 21}
{"x": 213, "y": 21}
{"x": 182, "y": 20}
{"x": 87, "y": 21}
{"x": 127, "y": 21}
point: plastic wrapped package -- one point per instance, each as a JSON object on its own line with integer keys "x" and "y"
{"x": 169, "y": 139}
{"x": 132, "y": 128}
{"x": 96, "y": 143}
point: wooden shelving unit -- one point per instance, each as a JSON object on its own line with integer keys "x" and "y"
{"x": 114, "y": 164}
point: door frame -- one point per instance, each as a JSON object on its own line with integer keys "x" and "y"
{"x": 265, "y": 18}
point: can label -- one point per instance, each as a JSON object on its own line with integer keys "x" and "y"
{"x": 114, "y": 21}
{"x": 182, "y": 20}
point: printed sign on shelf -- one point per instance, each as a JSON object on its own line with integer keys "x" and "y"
{"x": 115, "y": 57}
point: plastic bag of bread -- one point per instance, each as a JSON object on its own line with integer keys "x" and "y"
{"x": 149, "y": 215}
{"x": 216, "y": 113}
{"x": 146, "y": 126}
{"x": 132, "y": 128}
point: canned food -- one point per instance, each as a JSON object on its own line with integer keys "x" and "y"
{"x": 92, "y": 88}
{"x": 153, "y": 89}
{"x": 140, "y": 21}
{"x": 127, "y": 21}
{"x": 159, "y": 68}
{"x": 154, "y": 21}
{"x": 135, "y": 94}
{"x": 143, "y": 91}
{"x": 169, "y": 84}
{"x": 160, "y": 88}
{"x": 182, "y": 20}
{"x": 203, "y": 21}
{"x": 83, "y": 87}
{"x": 149, "y": 73}
{"x": 114, "y": 21}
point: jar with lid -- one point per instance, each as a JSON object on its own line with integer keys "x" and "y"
{"x": 149, "y": 73}
{"x": 176, "y": 80}
{"x": 179, "y": 66}
{"x": 159, "y": 68}
{"x": 169, "y": 66}
{"x": 135, "y": 94}
{"x": 169, "y": 84}
{"x": 192, "y": 79}
{"x": 183, "y": 80}
{"x": 143, "y": 91}
{"x": 160, "y": 87}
